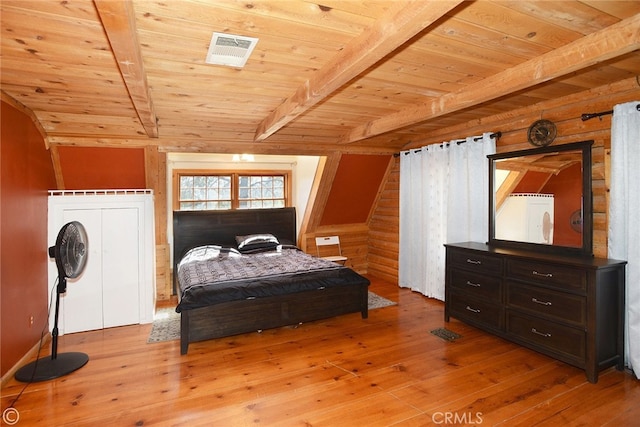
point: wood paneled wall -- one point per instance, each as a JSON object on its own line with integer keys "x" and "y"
{"x": 353, "y": 241}
{"x": 565, "y": 112}
{"x": 384, "y": 228}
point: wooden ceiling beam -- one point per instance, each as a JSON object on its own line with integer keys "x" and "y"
{"x": 119, "y": 21}
{"x": 406, "y": 19}
{"x": 611, "y": 42}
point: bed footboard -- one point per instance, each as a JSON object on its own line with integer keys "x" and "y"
{"x": 238, "y": 317}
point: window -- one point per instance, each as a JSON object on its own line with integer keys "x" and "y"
{"x": 261, "y": 191}
{"x": 207, "y": 190}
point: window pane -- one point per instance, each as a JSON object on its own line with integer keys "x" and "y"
{"x": 200, "y": 181}
{"x": 203, "y": 192}
{"x": 186, "y": 193}
{"x": 200, "y": 193}
{"x": 262, "y": 190}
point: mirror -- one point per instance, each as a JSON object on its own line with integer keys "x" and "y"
{"x": 540, "y": 199}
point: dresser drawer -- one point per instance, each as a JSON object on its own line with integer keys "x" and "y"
{"x": 548, "y": 303}
{"x": 551, "y": 336}
{"x": 547, "y": 274}
{"x": 475, "y": 261}
{"x": 477, "y": 285}
{"x": 476, "y": 311}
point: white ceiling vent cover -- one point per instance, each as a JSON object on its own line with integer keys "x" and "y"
{"x": 230, "y": 50}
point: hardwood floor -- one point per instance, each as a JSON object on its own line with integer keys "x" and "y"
{"x": 382, "y": 371}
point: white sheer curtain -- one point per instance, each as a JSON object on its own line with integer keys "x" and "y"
{"x": 443, "y": 199}
{"x": 624, "y": 207}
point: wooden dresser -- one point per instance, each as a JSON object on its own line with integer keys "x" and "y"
{"x": 569, "y": 308}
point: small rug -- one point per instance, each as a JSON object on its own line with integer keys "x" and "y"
{"x": 166, "y": 323}
{"x": 446, "y": 334}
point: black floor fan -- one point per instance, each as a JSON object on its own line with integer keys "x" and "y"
{"x": 70, "y": 253}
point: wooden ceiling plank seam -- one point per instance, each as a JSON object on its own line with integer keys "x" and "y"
{"x": 619, "y": 9}
{"x": 404, "y": 21}
{"x": 198, "y": 28}
{"x": 613, "y": 41}
{"x": 313, "y": 14}
{"x": 496, "y": 15}
{"x": 118, "y": 19}
{"x": 576, "y": 16}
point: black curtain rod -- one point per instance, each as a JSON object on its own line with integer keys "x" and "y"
{"x": 478, "y": 138}
{"x": 496, "y": 135}
{"x": 589, "y": 116}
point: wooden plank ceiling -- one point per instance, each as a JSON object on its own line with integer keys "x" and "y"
{"x": 335, "y": 75}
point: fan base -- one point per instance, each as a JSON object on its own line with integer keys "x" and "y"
{"x": 47, "y": 368}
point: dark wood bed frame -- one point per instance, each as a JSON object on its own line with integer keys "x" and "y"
{"x": 195, "y": 228}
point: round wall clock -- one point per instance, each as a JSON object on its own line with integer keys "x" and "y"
{"x": 575, "y": 220}
{"x": 542, "y": 133}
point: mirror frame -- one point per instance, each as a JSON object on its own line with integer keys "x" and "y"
{"x": 587, "y": 201}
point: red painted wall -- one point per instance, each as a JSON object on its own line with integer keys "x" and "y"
{"x": 354, "y": 188}
{"x": 102, "y": 168}
{"x": 27, "y": 173}
{"x": 567, "y": 188}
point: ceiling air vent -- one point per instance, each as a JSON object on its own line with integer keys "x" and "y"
{"x": 230, "y": 50}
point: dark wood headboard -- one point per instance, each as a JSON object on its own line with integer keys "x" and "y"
{"x": 196, "y": 228}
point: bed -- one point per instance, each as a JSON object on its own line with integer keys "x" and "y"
{"x": 238, "y": 302}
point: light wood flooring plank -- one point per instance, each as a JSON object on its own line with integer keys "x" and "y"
{"x": 387, "y": 370}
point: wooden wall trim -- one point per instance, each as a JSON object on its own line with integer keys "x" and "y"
{"x": 328, "y": 174}
{"x": 57, "y": 167}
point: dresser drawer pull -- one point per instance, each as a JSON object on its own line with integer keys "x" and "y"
{"x": 474, "y": 310}
{"x": 474, "y": 261}
{"x": 548, "y": 275}
{"x": 475, "y": 285}
{"x": 537, "y": 301}
{"x": 542, "y": 334}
